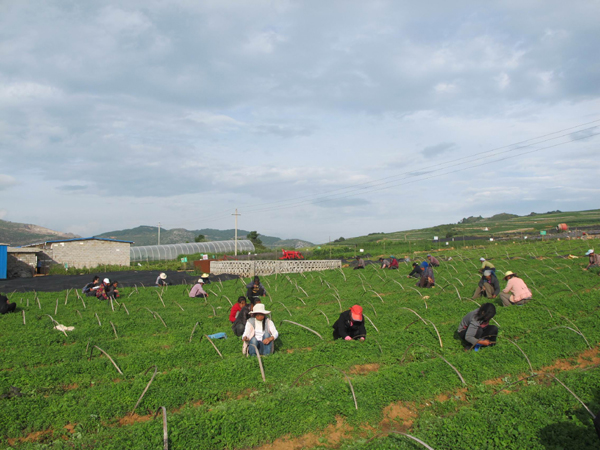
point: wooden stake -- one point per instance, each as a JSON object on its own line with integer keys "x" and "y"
{"x": 107, "y": 355}
{"x": 262, "y": 370}
{"x": 114, "y": 329}
{"x": 147, "y": 386}
{"x": 305, "y": 327}
{"x": 192, "y": 335}
{"x": 213, "y": 344}
{"x": 165, "y": 433}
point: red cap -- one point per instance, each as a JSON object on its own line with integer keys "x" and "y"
{"x": 356, "y": 312}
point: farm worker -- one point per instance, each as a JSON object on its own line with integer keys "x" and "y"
{"x": 235, "y": 309}
{"x": 486, "y": 265}
{"x": 102, "y": 289}
{"x": 516, "y": 291}
{"x": 360, "y": 263}
{"x": 475, "y": 328}
{"x": 197, "y": 290}
{"x": 488, "y": 286}
{"x": 255, "y": 289}
{"x": 433, "y": 261}
{"x": 90, "y": 288}
{"x": 393, "y": 262}
{"x": 260, "y": 331}
{"x": 242, "y": 317}
{"x": 384, "y": 263}
{"x": 350, "y": 325}
{"x": 594, "y": 259}
{"x": 427, "y": 279}
{"x": 6, "y": 306}
{"x": 161, "y": 280}
{"x": 416, "y": 272}
{"x": 205, "y": 277}
{"x": 112, "y": 291}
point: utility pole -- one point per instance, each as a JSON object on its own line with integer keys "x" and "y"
{"x": 158, "y": 233}
{"x": 236, "y": 216}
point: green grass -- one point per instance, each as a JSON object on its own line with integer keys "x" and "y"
{"x": 212, "y": 402}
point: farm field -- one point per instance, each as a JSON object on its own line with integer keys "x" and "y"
{"x": 410, "y": 375}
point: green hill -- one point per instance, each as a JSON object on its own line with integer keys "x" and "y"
{"x": 498, "y": 225}
{"x": 17, "y": 234}
{"x": 148, "y": 235}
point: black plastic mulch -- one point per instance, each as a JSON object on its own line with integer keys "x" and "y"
{"x": 54, "y": 283}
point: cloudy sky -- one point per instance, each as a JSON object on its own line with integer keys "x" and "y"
{"x": 315, "y": 119}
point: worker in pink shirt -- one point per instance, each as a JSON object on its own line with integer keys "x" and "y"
{"x": 198, "y": 290}
{"x": 516, "y": 291}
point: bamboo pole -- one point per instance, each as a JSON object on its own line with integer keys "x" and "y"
{"x": 147, "y": 387}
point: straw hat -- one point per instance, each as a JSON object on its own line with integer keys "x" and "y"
{"x": 163, "y": 276}
{"x": 508, "y": 274}
{"x": 356, "y": 313}
{"x": 204, "y": 275}
{"x": 259, "y": 308}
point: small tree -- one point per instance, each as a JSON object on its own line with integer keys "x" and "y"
{"x": 253, "y": 236}
{"x": 200, "y": 238}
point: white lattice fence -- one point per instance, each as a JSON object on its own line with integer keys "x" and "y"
{"x": 251, "y": 268}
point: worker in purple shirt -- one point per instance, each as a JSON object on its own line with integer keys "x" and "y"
{"x": 433, "y": 261}
{"x": 198, "y": 290}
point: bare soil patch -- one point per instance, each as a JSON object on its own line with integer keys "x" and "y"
{"x": 35, "y": 436}
{"x": 333, "y": 435}
{"x": 135, "y": 418}
{"x": 361, "y": 369}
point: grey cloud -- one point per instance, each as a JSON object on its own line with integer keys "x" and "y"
{"x": 283, "y": 131}
{"x": 438, "y": 149}
{"x": 583, "y": 135}
{"x": 419, "y": 173}
{"x": 340, "y": 202}
{"x": 72, "y": 187}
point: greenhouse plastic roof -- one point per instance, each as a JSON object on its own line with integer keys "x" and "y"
{"x": 172, "y": 251}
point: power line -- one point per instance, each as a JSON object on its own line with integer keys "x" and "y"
{"x": 372, "y": 186}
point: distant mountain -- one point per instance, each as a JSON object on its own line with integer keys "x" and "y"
{"x": 147, "y": 235}
{"x": 17, "y": 234}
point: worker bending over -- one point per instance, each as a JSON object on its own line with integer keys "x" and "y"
{"x": 488, "y": 286}
{"x": 350, "y": 325}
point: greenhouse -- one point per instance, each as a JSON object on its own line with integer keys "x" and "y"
{"x": 172, "y": 251}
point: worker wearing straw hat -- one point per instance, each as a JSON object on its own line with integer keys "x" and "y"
{"x": 516, "y": 291}
{"x": 260, "y": 332}
{"x": 205, "y": 278}
{"x": 198, "y": 289}
{"x": 350, "y": 325}
{"x": 161, "y": 280}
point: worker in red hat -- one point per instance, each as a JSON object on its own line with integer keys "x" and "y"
{"x": 350, "y": 325}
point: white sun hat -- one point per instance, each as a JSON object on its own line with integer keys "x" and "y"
{"x": 589, "y": 252}
{"x": 259, "y": 308}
